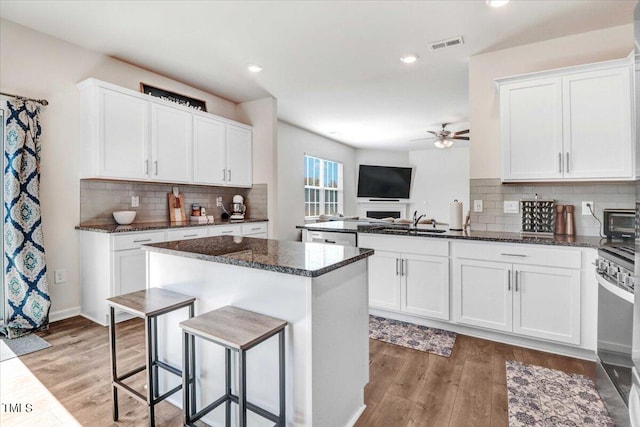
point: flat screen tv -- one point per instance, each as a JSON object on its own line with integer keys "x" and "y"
{"x": 384, "y": 182}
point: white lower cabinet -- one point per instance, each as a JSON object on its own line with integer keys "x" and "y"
{"x": 414, "y": 283}
{"x": 530, "y": 300}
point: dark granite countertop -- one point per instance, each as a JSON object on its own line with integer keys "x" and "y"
{"x": 490, "y": 236}
{"x": 297, "y": 258}
{"x": 146, "y": 226}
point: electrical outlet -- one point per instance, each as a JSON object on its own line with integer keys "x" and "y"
{"x": 477, "y": 205}
{"x": 585, "y": 208}
{"x": 135, "y": 201}
{"x": 60, "y": 276}
{"x": 511, "y": 206}
{"x": 219, "y": 201}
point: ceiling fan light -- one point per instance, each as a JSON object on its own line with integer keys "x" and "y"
{"x": 438, "y": 143}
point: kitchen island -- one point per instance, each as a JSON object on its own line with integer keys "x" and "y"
{"x": 321, "y": 290}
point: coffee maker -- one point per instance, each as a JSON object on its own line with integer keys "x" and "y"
{"x": 238, "y": 208}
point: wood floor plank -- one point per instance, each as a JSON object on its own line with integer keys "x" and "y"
{"x": 412, "y": 376}
{"x": 382, "y": 372}
{"x": 473, "y": 401}
{"x": 391, "y": 411}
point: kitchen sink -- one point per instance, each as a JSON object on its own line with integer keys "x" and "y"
{"x": 414, "y": 231}
{"x": 428, "y": 231}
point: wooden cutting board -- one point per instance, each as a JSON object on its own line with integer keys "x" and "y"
{"x": 175, "y": 203}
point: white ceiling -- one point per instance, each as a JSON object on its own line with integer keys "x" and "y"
{"x": 332, "y": 65}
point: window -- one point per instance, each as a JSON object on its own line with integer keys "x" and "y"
{"x": 322, "y": 187}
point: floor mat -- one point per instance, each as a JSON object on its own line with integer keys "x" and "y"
{"x": 540, "y": 396}
{"x": 412, "y": 336}
{"x": 21, "y": 346}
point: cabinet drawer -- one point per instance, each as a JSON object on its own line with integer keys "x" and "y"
{"x": 135, "y": 240}
{"x": 520, "y": 254}
{"x": 187, "y": 233}
{"x": 254, "y": 228}
{"x": 410, "y": 245}
{"x": 225, "y": 230}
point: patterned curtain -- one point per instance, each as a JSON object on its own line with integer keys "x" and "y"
{"x": 25, "y": 268}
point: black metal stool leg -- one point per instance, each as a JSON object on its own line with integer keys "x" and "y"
{"x": 242, "y": 387}
{"x": 114, "y": 366}
{"x": 156, "y": 386}
{"x": 186, "y": 379}
{"x": 149, "y": 363}
{"x": 193, "y": 364}
{"x": 227, "y": 385}
{"x": 282, "y": 414}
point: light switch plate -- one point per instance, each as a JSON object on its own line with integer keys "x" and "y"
{"x": 511, "y": 206}
{"x": 477, "y": 205}
{"x": 135, "y": 201}
{"x": 60, "y": 276}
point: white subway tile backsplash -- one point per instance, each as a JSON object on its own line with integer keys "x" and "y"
{"x": 493, "y": 192}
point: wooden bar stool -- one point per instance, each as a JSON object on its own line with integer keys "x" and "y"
{"x": 148, "y": 305}
{"x": 238, "y": 330}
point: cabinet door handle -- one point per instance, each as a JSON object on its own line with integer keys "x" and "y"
{"x": 567, "y": 162}
{"x": 224, "y": 174}
{"x": 229, "y": 175}
{"x": 559, "y": 162}
{"x": 156, "y": 166}
{"x": 404, "y": 267}
{"x": 509, "y": 281}
{"x": 227, "y": 232}
{"x": 141, "y": 240}
{"x": 146, "y": 167}
{"x": 397, "y": 266}
{"x": 255, "y": 229}
{"x": 190, "y": 235}
{"x": 326, "y": 240}
{"x": 516, "y": 272}
{"x": 518, "y": 255}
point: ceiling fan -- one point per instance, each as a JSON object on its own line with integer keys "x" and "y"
{"x": 445, "y": 138}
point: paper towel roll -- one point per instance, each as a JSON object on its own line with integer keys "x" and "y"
{"x": 455, "y": 214}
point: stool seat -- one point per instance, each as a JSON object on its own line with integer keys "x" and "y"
{"x": 150, "y": 302}
{"x": 233, "y": 327}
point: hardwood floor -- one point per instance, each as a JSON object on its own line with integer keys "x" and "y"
{"x": 407, "y": 387}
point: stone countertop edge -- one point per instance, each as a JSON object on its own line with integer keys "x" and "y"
{"x": 278, "y": 268}
{"x": 148, "y": 226}
{"x": 487, "y": 236}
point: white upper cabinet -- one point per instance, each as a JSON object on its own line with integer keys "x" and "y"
{"x": 171, "y": 146}
{"x": 121, "y": 136}
{"x": 209, "y": 160}
{"x": 572, "y": 124}
{"x": 238, "y": 156}
{"x": 128, "y": 135}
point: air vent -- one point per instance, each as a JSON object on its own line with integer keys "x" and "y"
{"x": 447, "y": 43}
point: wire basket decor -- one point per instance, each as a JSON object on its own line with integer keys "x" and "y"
{"x": 538, "y": 217}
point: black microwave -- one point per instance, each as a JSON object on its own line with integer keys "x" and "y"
{"x": 619, "y": 223}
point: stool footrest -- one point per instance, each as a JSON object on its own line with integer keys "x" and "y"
{"x": 130, "y": 373}
{"x": 169, "y": 368}
{"x": 234, "y": 398}
{"x": 167, "y": 394}
{"x": 134, "y": 393}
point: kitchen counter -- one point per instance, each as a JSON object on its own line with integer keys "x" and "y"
{"x": 158, "y": 225}
{"x": 301, "y": 259}
{"x": 490, "y": 236}
{"x": 320, "y": 290}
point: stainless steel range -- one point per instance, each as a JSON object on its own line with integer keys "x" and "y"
{"x": 616, "y": 284}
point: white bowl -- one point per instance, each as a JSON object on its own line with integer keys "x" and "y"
{"x": 124, "y": 217}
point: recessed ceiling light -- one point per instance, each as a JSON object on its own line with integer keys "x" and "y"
{"x": 497, "y": 3}
{"x": 254, "y": 68}
{"x": 409, "y": 59}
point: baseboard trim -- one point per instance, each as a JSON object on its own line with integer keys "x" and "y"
{"x": 356, "y": 416}
{"x": 64, "y": 314}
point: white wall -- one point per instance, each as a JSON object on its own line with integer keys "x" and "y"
{"x": 440, "y": 177}
{"x": 293, "y": 144}
{"x": 39, "y": 66}
{"x": 594, "y": 46}
{"x": 263, "y": 116}
{"x": 381, "y": 158}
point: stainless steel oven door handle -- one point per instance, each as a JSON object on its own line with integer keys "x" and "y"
{"x": 615, "y": 290}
